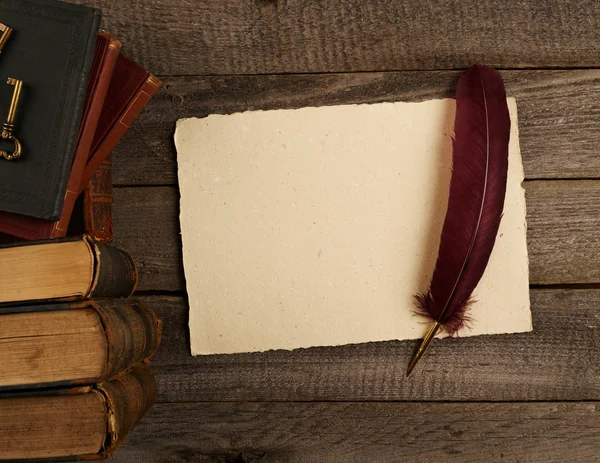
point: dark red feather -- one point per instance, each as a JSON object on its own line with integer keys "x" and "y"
{"x": 477, "y": 189}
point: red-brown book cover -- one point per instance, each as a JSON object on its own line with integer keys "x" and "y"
{"x": 131, "y": 88}
{"x": 105, "y": 58}
{"x": 97, "y": 204}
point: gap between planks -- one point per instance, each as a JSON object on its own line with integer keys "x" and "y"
{"x": 181, "y": 37}
{"x": 563, "y": 218}
{"x": 374, "y": 432}
{"x": 559, "y": 112}
{"x": 552, "y": 363}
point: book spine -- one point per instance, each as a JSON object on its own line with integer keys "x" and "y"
{"x": 128, "y": 398}
{"x": 115, "y": 272}
{"x": 111, "y": 140}
{"x": 133, "y": 333}
{"x": 97, "y": 204}
{"x": 98, "y": 89}
{"x": 78, "y": 113}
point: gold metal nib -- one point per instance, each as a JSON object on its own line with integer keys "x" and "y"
{"x": 6, "y": 33}
{"x": 424, "y": 345}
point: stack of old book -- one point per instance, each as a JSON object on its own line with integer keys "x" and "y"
{"x": 74, "y": 346}
{"x": 73, "y": 374}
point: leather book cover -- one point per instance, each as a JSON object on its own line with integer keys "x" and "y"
{"x": 116, "y": 274}
{"x": 97, "y": 204}
{"x": 31, "y": 228}
{"x": 129, "y": 397}
{"x": 51, "y": 51}
{"x": 130, "y": 90}
{"x": 133, "y": 330}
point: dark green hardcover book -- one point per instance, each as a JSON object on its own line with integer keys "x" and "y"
{"x": 51, "y": 50}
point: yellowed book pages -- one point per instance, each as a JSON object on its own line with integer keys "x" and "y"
{"x": 52, "y": 427}
{"x": 71, "y": 275}
{"x": 50, "y": 346}
{"x": 316, "y": 226}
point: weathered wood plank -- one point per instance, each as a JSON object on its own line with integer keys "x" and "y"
{"x": 563, "y": 220}
{"x": 146, "y": 223}
{"x": 559, "y": 114}
{"x": 182, "y": 37}
{"x": 554, "y": 362}
{"x": 366, "y": 432}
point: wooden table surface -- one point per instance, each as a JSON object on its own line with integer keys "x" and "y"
{"x": 523, "y": 397}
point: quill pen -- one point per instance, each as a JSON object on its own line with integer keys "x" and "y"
{"x": 477, "y": 189}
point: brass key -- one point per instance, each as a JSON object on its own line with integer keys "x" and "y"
{"x": 9, "y": 126}
{"x": 6, "y": 33}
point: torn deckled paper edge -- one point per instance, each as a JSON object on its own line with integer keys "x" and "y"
{"x": 316, "y": 226}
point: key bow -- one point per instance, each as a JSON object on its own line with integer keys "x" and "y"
{"x": 9, "y": 126}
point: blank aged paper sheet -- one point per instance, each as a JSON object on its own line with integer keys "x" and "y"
{"x": 316, "y": 226}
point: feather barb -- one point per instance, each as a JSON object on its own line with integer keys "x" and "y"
{"x": 476, "y": 201}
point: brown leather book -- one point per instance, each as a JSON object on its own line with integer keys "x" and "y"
{"x": 74, "y": 343}
{"x": 105, "y": 59}
{"x": 97, "y": 204}
{"x": 131, "y": 88}
{"x": 92, "y": 214}
{"x": 78, "y": 268}
{"x": 82, "y": 423}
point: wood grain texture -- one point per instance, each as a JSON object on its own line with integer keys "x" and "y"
{"x": 559, "y": 113}
{"x": 563, "y": 222}
{"x": 183, "y": 37}
{"x": 207, "y": 44}
{"x": 146, "y": 224}
{"x": 366, "y": 432}
{"x": 554, "y": 362}
{"x": 563, "y": 219}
